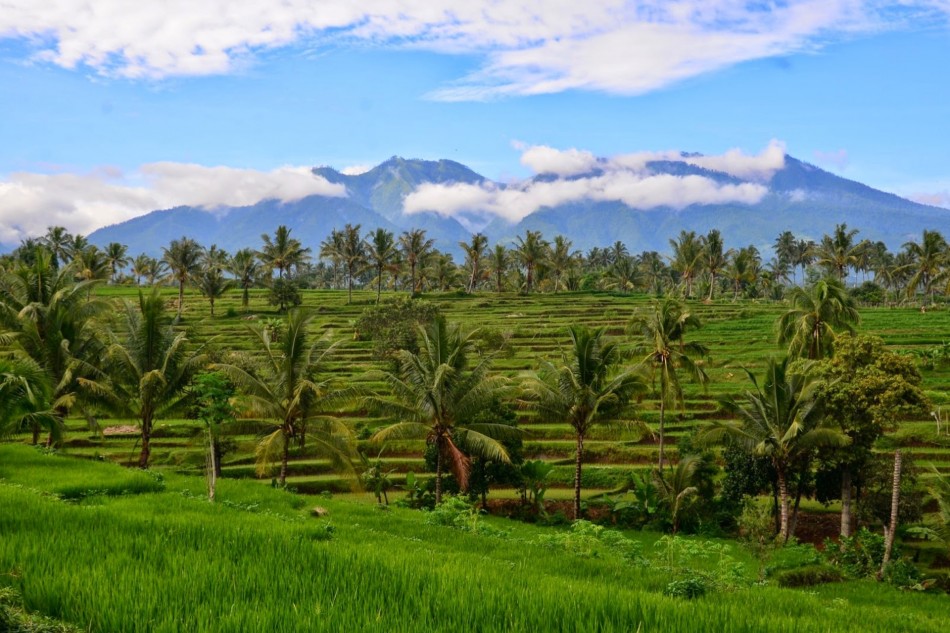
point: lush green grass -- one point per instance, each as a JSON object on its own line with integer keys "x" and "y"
{"x": 258, "y": 561}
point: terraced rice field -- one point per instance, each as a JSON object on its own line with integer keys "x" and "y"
{"x": 739, "y": 335}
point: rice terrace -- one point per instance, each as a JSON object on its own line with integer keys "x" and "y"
{"x": 257, "y": 374}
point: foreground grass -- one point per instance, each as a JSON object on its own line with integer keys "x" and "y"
{"x": 167, "y": 560}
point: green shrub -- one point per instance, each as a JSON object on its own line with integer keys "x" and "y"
{"x": 688, "y": 588}
{"x": 808, "y": 576}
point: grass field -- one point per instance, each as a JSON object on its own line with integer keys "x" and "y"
{"x": 153, "y": 555}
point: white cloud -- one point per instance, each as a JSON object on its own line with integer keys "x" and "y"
{"x": 528, "y": 46}
{"x": 30, "y": 202}
{"x": 625, "y": 180}
{"x": 355, "y": 170}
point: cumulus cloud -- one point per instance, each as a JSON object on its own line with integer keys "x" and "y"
{"x": 29, "y": 202}
{"x": 625, "y": 179}
{"x": 528, "y": 46}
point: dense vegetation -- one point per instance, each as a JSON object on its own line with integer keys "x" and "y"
{"x": 649, "y": 408}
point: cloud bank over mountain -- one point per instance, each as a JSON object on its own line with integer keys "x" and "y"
{"x": 30, "y": 202}
{"x": 526, "y": 47}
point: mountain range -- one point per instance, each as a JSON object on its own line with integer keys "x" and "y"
{"x": 798, "y": 197}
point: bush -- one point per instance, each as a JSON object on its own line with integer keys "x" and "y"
{"x": 393, "y": 325}
{"x": 588, "y": 540}
{"x": 688, "y": 588}
{"x": 808, "y": 576}
{"x": 902, "y": 573}
{"x": 457, "y": 512}
{"x": 284, "y": 293}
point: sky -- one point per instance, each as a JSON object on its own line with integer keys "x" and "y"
{"x": 110, "y": 109}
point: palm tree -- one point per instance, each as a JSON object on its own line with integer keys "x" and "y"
{"x": 803, "y": 255}
{"x": 623, "y": 274}
{"x": 287, "y": 390}
{"x": 57, "y": 240}
{"x": 808, "y": 327}
{"x": 244, "y": 267}
{"x": 75, "y": 245}
{"x": 559, "y": 258}
{"x": 48, "y": 316}
{"x": 529, "y": 252}
{"x": 147, "y": 368}
{"x": 140, "y": 266}
{"x": 588, "y": 388}
{"x": 91, "y": 263}
{"x": 666, "y": 353}
{"x": 713, "y": 258}
{"x": 475, "y": 251}
{"x": 443, "y": 270}
{"x": 687, "y": 257}
{"x": 415, "y": 248}
{"x": 617, "y": 252}
{"x": 498, "y": 262}
{"x": 351, "y": 252}
{"x": 785, "y": 250}
{"x": 435, "y": 395}
{"x": 676, "y": 489}
{"x": 382, "y": 253}
{"x": 283, "y": 252}
{"x": 117, "y": 258}
{"x": 182, "y": 258}
{"x": 930, "y": 258}
{"x": 214, "y": 258}
{"x": 25, "y": 398}
{"x": 838, "y": 252}
{"x": 212, "y": 284}
{"x": 779, "y": 420}
{"x": 743, "y": 268}
{"x": 156, "y": 269}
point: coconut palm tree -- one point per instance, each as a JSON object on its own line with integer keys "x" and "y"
{"x": 57, "y": 240}
{"x": 212, "y": 283}
{"x": 26, "y": 398}
{"x": 147, "y": 368}
{"x": 930, "y": 258}
{"x": 415, "y": 248}
{"x": 117, "y": 256}
{"x": 623, "y": 274}
{"x": 687, "y": 257}
{"x": 183, "y": 259}
{"x": 140, "y": 267}
{"x": 676, "y": 488}
{"x": 288, "y": 390}
{"x": 381, "y": 252}
{"x": 347, "y": 249}
{"x": 283, "y": 252}
{"x": 586, "y": 389}
{"x": 243, "y": 265}
{"x": 76, "y": 245}
{"x": 742, "y": 269}
{"x": 498, "y": 263}
{"x": 214, "y": 258}
{"x": 475, "y": 251}
{"x": 91, "y": 263}
{"x": 778, "y": 419}
{"x": 838, "y": 252}
{"x": 714, "y": 259}
{"x": 529, "y": 252}
{"x": 436, "y": 393}
{"x": 666, "y": 354}
{"x": 785, "y": 250}
{"x": 559, "y": 258}
{"x": 809, "y": 327}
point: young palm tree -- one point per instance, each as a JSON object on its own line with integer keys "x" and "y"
{"x": 666, "y": 354}
{"x": 808, "y": 328}
{"x": 283, "y": 252}
{"x": 529, "y": 252}
{"x": 436, "y": 393}
{"x": 214, "y": 258}
{"x": 382, "y": 254}
{"x": 117, "y": 258}
{"x": 244, "y": 267}
{"x": 287, "y": 390}
{"x": 212, "y": 283}
{"x": 676, "y": 488}
{"x": 25, "y": 398}
{"x": 930, "y": 260}
{"x": 588, "y": 388}
{"x": 780, "y": 420}
{"x": 147, "y": 368}
{"x": 475, "y": 251}
{"x": 183, "y": 258}
{"x": 498, "y": 263}
{"x": 415, "y": 248}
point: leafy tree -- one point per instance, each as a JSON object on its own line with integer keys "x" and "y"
{"x": 212, "y": 393}
{"x": 666, "y": 354}
{"x": 786, "y": 247}
{"x": 476, "y": 250}
{"x": 437, "y": 393}
{"x": 283, "y": 293}
{"x": 415, "y": 248}
{"x": 742, "y": 269}
{"x": 586, "y": 389}
{"x": 778, "y": 419}
{"x": 809, "y": 327}
{"x": 146, "y": 369}
{"x": 382, "y": 254}
{"x": 183, "y": 258}
{"x": 287, "y": 389}
{"x": 394, "y": 325}
{"x": 243, "y": 265}
{"x": 91, "y": 263}
{"x": 529, "y": 252}
{"x": 623, "y": 274}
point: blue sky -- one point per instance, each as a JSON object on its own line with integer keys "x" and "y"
{"x": 89, "y": 103}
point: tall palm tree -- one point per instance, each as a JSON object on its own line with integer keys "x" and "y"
{"x": 350, "y": 251}
{"x": 529, "y": 252}
{"x": 214, "y": 258}
{"x": 559, "y": 258}
{"x": 76, "y": 245}
{"x": 91, "y": 263}
{"x": 586, "y": 389}
{"x": 498, "y": 263}
{"x": 288, "y": 390}
{"x": 140, "y": 266}
{"x": 243, "y": 265}
{"x": 381, "y": 253}
{"x": 156, "y": 270}
{"x": 714, "y": 259}
{"x": 930, "y": 259}
{"x": 778, "y": 419}
{"x": 57, "y": 240}
{"x": 415, "y": 248}
{"x": 283, "y": 252}
{"x": 475, "y": 251}
{"x": 623, "y": 274}
{"x": 49, "y": 316}
{"x": 443, "y": 271}
{"x": 436, "y": 394}
{"x": 838, "y": 252}
{"x": 809, "y": 327}
{"x": 147, "y": 367}
{"x": 742, "y": 268}
{"x": 666, "y": 354}
{"x": 687, "y": 257}
{"x": 785, "y": 250}
{"x": 117, "y": 256}
{"x": 617, "y": 252}
{"x": 804, "y": 255}
{"x": 183, "y": 258}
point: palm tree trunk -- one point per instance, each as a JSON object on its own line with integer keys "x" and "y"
{"x": 895, "y": 507}
{"x": 530, "y": 277}
{"x": 471, "y": 281}
{"x": 438, "y": 473}
{"x": 36, "y": 433}
{"x": 211, "y": 301}
{"x": 245, "y": 298}
{"x": 212, "y": 467}
{"x": 146, "y": 451}
{"x": 846, "y": 503}
{"x": 379, "y": 283}
{"x": 712, "y": 284}
{"x": 349, "y": 287}
{"x": 181, "y": 296}
{"x": 662, "y": 421}
{"x": 782, "y": 505}
{"x": 284, "y": 458}
{"x": 577, "y": 475}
